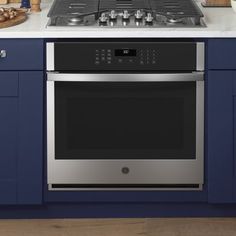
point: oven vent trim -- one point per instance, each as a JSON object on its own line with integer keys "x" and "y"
{"x": 125, "y": 187}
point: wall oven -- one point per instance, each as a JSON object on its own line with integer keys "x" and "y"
{"x": 125, "y": 115}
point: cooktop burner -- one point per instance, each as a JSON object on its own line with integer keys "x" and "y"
{"x": 125, "y": 13}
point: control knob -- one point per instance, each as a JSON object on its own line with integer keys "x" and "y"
{"x": 113, "y": 15}
{"x": 103, "y": 18}
{"x": 138, "y": 15}
{"x": 126, "y": 15}
{"x": 149, "y": 18}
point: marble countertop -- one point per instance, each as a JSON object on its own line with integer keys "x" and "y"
{"x": 221, "y": 23}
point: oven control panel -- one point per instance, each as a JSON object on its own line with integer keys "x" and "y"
{"x": 125, "y": 56}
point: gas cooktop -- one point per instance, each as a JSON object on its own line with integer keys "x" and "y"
{"x": 125, "y": 13}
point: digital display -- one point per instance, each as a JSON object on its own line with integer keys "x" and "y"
{"x": 125, "y": 52}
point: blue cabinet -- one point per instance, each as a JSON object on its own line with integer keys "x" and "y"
{"x": 21, "y": 122}
{"x": 221, "y": 120}
{"x": 21, "y": 149}
{"x": 221, "y": 135}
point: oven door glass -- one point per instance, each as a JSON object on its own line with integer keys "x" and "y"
{"x": 125, "y": 120}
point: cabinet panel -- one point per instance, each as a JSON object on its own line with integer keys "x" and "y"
{"x": 220, "y": 136}
{"x": 8, "y": 192}
{"x": 22, "y": 54}
{"x": 21, "y": 129}
{"x": 8, "y": 137}
{"x": 8, "y": 84}
{"x": 221, "y": 54}
{"x": 8, "y": 149}
{"x": 30, "y": 144}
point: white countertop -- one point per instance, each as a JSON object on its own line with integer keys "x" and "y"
{"x": 221, "y": 23}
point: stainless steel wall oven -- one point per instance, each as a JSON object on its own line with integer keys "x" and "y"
{"x": 125, "y": 115}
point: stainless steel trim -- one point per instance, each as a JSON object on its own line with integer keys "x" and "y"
{"x": 200, "y": 56}
{"x": 141, "y": 171}
{"x": 50, "y": 126}
{"x": 109, "y": 171}
{"x": 50, "y": 56}
{"x": 125, "y": 189}
{"x": 200, "y": 126}
{"x": 195, "y": 76}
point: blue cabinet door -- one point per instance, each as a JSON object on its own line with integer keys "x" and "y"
{"x": 21, "y": 158}
{"x": 221, "y": 135}
{"x": 30, "y": 138}
{"x": 8, "y": 136}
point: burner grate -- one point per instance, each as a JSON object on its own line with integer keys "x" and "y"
{"x": 124, "y": 4}
{"x": 63, "y": 8}
{"x": 176, "y": 8}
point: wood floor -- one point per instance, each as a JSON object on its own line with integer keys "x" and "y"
{"x": 120, "y": 227}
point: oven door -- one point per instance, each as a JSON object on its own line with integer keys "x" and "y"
{"x": 125, "y": 130}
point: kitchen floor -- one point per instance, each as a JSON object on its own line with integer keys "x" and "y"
{"x": 120, "y": 227}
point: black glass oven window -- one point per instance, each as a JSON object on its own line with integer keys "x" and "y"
{"x": 125, "y": 120}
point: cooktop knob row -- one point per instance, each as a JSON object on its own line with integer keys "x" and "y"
{"x": 139, "y": 15}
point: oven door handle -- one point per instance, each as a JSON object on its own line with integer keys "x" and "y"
{"x": 177, "y": 77}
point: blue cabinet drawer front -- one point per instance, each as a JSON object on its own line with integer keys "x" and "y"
{"x": 222, "y": 54}
{"x": 8, "y": 84}
{"x": 22, "y": 54}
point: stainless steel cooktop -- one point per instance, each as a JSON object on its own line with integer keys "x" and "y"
{"x": 125, "y": 13}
